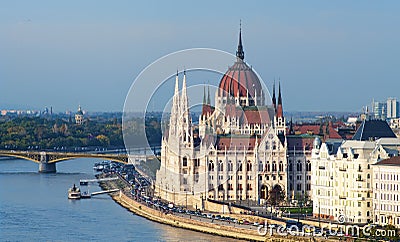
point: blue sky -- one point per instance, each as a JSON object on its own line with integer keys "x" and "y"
{"x": 330, "y": 55}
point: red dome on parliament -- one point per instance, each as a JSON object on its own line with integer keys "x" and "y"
{"x": 240, "y": 80}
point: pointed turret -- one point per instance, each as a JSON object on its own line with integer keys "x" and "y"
{"x": 176, "y": 93}
{"x": 279, "y": 94}
{"x": 184, "y": 98}
{"x": 175, "y": 110}
{"x": 240, "y": 52}
{"x": 280, "y": 123}
{"x": 185, "y": 120}
{"x": 279, "y": 109}
{"x": 205, "y": 103}
{"x": 273, "y": 96}
{"x": 207, "y": 108}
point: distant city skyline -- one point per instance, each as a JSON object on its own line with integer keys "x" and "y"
{"x": 333, "y": 56}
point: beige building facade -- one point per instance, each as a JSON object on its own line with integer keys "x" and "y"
{"x": 386, "y": 175}
{"x": 342, "y": 175}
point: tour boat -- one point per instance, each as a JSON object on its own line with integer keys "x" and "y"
{"x": 74, "y": 193}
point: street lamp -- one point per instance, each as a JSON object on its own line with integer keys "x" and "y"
{"x": 201, "y": 197}
{"x": 319, "y": 214}
{"x": 298, "y": 212}
{"x": 159, "y": 190}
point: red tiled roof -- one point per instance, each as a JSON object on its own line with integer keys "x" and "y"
{"x": 239, "y": 142}
{"x": 240, "y": 78}
{"x": 314, "y": 129}
{"x": 394, "y": 161}
{"x": 256, "y": 117}
{"x": 231, "y": 111}
{"x": 248, "y": 116}
{"x": 207, "y": 109}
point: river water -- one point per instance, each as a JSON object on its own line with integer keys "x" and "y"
{"x": 34, "y": 207}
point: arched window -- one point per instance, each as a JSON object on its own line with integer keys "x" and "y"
{"x": 290, "y": 166}
{"x": 240, "y": 168}
{"x": 280, "y": 166}
{"x": 184, "y": 161}
{"x": 299, "y": 166}
{"x": 273, "y": 166}
{"x": 368, "y": 176}
{"x": 211, "y": 166}
{"x": 308, "y": 166}
{"x": 260, "y": 166}
{"x": 249, "y": 166}
{"x": 220, "y": 166}
{"x": 274, "y": 145}
{"x": 230, "y": 165}
{"x": 267, "y": 167}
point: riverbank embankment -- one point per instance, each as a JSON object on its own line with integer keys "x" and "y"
{"x": 124, "y": 199}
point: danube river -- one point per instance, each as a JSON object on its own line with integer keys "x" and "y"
{"x": 35, "y": 207}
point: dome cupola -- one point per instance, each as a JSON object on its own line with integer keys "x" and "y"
{"x": 240, "y": 81}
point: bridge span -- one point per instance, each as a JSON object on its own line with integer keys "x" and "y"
{"x": 47, "y": 160}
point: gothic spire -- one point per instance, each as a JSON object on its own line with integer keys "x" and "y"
{"x": 175, "y": 110}
{"x": 273, "y": 96}
{"x": 185, "y": 120}
{"x": 239, "y": 52}
{"x": 279, "y": 109}
{"x": 279, "y": 94}
{"x": 184, "y": 98}
{"x": 176, "y": 93}
{"x": 175, "y": 103}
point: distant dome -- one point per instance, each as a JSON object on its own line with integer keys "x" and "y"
{"x": 79, "y": 112}
{"x": 239, "y": 79}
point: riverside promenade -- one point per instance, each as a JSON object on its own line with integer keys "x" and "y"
{"x": 248, "y": 233}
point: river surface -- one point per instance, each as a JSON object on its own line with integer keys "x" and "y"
{"x": 34, "y": 207}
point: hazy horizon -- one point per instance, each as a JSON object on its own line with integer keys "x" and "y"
{"x": 329, "y": 55}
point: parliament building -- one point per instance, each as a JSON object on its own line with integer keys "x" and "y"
{"x": 240, "y": 151}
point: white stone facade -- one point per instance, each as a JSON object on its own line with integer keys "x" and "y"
{"x": 342, "y": 178}
{"x": 244, "y": 171}
{"x": 386, "y": 175}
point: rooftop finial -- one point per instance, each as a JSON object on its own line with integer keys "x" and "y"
{"x": 239, "y": 52}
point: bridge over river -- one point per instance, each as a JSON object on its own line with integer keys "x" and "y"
{"x": 47, "y": 159}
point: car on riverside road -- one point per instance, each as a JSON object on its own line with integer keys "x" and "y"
{"x": 245, "y": 222}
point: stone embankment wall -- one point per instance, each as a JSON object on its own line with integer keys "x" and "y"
{"x": 186, "y": 223}
{"x": 196, "y": 225}
{"x": 200, "y": 226}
